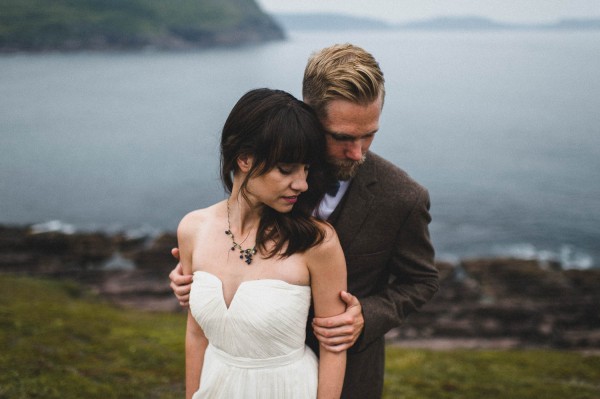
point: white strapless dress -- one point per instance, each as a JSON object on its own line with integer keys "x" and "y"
{"x": 256, "y": 346}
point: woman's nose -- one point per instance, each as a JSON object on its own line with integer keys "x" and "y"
{"x": 299, "y": 183}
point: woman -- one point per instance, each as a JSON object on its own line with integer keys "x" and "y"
{"x": 258, "y": 257}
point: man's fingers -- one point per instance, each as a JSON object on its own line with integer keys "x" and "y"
{"x": 182, "y": 291}
{"x": 335, "y": 321}
{"x": 184, "y": 300}
{"x": 176, "y": 272}
{"x": 337, "y": 340}
{"x": 333, "y": 332}
{"x": 349, "y": 299}
{"x": 336, "y": 348}
{"x": 336, "y": 344}
{"x": 180, "y": 283}
{"x": 179, "y": 290}
{"x": 338, "y": 333}
{"x": 179, "y": 279}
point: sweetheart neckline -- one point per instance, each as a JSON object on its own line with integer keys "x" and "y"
{"x": 227, "y": 307}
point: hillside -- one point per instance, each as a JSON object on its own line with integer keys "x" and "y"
{"x": 67, "y": 25}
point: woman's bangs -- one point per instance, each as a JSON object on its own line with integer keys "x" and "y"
{"x": 295, "y": 143}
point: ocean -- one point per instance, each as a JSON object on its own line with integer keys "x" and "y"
{"x": 502, "y": 127}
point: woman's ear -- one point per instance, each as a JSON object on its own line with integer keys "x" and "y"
{"x": 245, "y": 162}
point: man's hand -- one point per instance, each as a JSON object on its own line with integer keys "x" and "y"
{"x": 338, "y": 333}
{"x": 180, "y": 284}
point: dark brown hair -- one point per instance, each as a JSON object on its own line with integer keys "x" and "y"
{"x": 274, "y": 127}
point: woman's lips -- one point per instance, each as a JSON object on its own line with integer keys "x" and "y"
{"x": 291, "y": 199}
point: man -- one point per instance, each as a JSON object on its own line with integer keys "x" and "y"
{"x": 380, "y": 214}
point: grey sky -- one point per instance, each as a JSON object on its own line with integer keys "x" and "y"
{"x": 406, "y": 10}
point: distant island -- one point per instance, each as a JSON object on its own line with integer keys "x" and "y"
{"x": 63, "y": 25}
{"x": 330, "y": 21}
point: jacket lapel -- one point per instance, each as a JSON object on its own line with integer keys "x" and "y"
{"x": 356, "y": 205}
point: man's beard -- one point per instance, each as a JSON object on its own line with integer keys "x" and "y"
{"x": 346, "y": 169}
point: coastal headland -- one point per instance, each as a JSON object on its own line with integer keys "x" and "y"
{"x": 91, "y": 25}
{"x": 482, "y": 303}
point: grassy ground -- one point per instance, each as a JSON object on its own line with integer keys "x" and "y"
{"x": 475, "y": 374}
{"x": 58, "y": 341}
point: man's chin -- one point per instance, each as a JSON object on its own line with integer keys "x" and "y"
{"x": 346, "y": 170}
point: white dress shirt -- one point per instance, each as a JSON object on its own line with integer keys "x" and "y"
{"x": 329, "y": 202}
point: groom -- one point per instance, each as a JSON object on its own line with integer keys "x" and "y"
{"x": 380, "y": 214}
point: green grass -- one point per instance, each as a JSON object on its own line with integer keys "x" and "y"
{"x": 59, "y": 341}
{"x": 489, "y": 374}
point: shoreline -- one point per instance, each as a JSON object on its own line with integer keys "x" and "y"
{"x": 565, "y": 257}
{"x": 501, "y": 303}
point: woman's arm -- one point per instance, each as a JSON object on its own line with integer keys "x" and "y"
{"x": 195, "y": 346}
{"x": 328, "y": 279}
{"x": 195, "y": 340}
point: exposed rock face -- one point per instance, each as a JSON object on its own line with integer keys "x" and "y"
{"x": 130, "y": 271}
{"x": 508, "y": 301}
{"x": 530, "y": 302}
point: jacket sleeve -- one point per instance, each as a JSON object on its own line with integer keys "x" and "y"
{"x": 413, "y": 277}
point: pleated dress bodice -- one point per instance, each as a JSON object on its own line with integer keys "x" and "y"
{"x": 256, "y": 344}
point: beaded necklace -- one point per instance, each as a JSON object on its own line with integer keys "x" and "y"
{"x": 245, "y": 254}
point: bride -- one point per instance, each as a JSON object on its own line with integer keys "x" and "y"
{"x": 258, "y": 259}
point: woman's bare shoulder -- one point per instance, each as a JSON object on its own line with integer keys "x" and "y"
{"x": 194, "y": 220}
{"x": 327, "y": 268}
{"x": 330, "y": 243}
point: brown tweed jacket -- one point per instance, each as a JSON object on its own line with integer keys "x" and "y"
{"x": 382, "y": 223}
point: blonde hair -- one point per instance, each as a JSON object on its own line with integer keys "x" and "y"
{"x": 342, "y": 71}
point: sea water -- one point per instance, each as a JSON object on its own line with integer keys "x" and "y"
{"x": 503, "y": 128}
